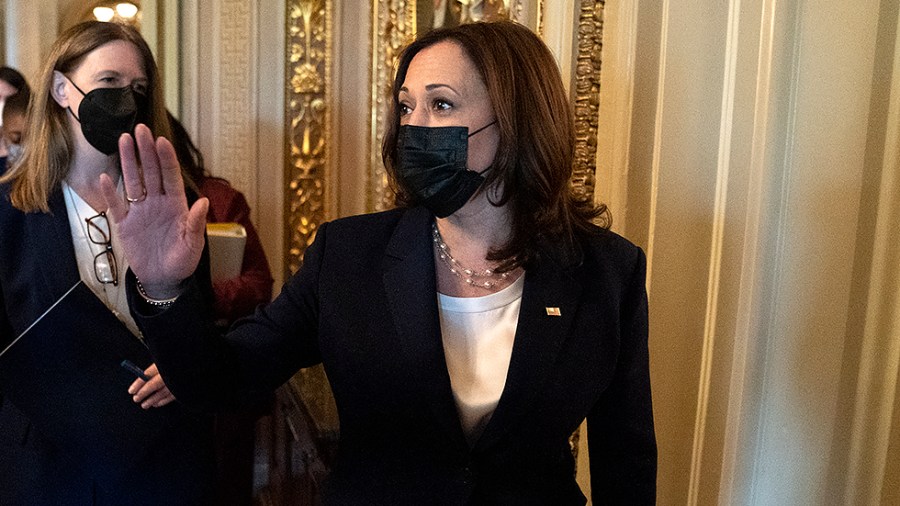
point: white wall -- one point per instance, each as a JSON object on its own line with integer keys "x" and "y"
{"x": 232, "y": 102}
{"x": 28, "y": 40}
{"x": 760, "y": 177}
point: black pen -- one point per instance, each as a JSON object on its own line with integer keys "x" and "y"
{"x": 137, "y": 371}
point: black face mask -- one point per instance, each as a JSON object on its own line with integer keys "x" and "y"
{"x": 107, "y": 113}
{"x": 431, "y": 166}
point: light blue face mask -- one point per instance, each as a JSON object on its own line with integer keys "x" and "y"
{"x": 14, "y": 154}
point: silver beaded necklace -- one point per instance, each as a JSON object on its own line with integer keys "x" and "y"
{"x": 486, "y": 279}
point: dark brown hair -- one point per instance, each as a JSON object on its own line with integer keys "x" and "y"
{"x": 17, "y": 103}
{"x": 14, "y": 78}
{"x": 535, "y": 153}
{"x": 190, "y": 158}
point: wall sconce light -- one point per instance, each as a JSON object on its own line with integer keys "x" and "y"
{"x": 104, "y": 13}
{"x": 127, "y": 10}
{"x": 123, "y": 12}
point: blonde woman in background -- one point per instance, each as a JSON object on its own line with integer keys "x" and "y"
{"x": 70, "y": 432}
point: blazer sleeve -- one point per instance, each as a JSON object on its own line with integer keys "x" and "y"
{"x": 621, "y": 438}
{"x": 206, "y": 370}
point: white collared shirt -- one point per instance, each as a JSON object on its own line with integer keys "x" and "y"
{"x": 85, "y": 251}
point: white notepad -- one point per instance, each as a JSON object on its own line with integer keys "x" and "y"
{"x": 226, "y": 249}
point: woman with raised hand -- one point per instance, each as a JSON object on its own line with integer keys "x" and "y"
{"x": 467, "y": 333}
{"x": 70, "y": 430}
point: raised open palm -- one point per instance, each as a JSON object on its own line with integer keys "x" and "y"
{"x": 162, "y": 238}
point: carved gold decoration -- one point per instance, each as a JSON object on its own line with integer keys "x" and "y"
{"x": 308, "y": 75}
{"x": 586, "y": 93}
{"x": 393, "y": 27}
{"x": 516, "y": 11}
{"x": 540, "y": 18}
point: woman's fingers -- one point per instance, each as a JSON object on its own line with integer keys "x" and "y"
{"x": 135, "y": 386}
{"x": 149, "y": 159}
{"x": 131, "y": 171}
{"x": 146, "y": 147}
{"x": 159, "y": 399}
{"x": 196, "y": 220}
{"x": 115, "y": 206}
{"x": 169, "y": 168}
{"x": 153, "y": 392}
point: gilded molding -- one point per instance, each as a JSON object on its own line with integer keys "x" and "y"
{"x": 393, "y": 26}
{"x": 586, "y": 93}
{"x": 540, "y": 18}
{"x": 309, "y": 123}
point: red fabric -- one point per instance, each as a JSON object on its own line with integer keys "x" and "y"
{"x": 239, "y": 296}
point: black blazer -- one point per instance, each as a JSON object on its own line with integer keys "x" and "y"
{"x": 69, "y": 432}
{"x": 364, "y": 304}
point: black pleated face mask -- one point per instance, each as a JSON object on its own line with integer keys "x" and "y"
{"x": 107, "y": 113}
{"x": 431, "y": 166}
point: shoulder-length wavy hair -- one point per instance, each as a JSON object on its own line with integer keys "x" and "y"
{"x": 533, "y": 164}
{"x": 48, "y": 146}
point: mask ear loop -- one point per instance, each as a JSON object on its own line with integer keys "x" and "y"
{"x": 83, "y": 94}
{"x": 480, "y": 129}
{"x": 482, "y": 171}
{"x": 489, "y": 167}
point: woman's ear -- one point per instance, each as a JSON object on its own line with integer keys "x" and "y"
{"x": 58, "y": 89}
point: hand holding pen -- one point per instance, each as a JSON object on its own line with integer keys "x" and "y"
{"x": 149, "y": 390}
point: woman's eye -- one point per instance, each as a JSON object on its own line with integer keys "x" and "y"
{"x": 442, "y": 105}
{"x": 404, "y": 109}
{"x": 140, "y": 88}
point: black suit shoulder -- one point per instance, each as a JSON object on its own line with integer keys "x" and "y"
{"x": 604, "y": 243}
{"x": 365, "y": 229}
{"x": 615, "y": 258}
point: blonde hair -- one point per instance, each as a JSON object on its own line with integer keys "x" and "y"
{"x": 48, "y": 149}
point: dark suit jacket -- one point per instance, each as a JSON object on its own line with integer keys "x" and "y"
{"x": 69, "y": 432}
{"x": 364, "y": 304}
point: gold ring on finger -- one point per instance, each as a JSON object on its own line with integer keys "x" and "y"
{"x": 139, "y": 199}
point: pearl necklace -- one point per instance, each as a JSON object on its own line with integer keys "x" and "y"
{"x": 471, "y": 277}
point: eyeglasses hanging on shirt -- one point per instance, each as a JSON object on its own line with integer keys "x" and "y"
{"x": 105, "y": 266}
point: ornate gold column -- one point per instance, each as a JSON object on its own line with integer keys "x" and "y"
{"x": 393, "y": 26}
{"x": 586, "y": 93}
{"x": 309, "y": 45}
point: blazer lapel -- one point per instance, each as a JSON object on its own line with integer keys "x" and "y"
{"x": 409, "y": 281}
{"x": 54, "y": 253}
{"x": 549, "y": 303}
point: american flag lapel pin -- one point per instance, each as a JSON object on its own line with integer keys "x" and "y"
{"x": 553, "y": 311}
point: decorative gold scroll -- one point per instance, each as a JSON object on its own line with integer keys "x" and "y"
{"x": 586, "y": 94}
{"x": 540, "y": 19}
{"x": 309, "y": 89}
{"x": 393, "y": 27}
